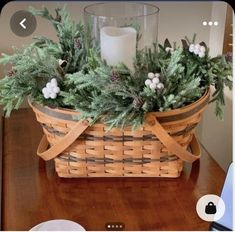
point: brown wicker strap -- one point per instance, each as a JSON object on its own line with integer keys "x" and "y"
{"x": 169, "y": 142}
{"x": 63, "y": 143}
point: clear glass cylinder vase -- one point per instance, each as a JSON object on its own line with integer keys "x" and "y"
{"x": 122, "y": 28}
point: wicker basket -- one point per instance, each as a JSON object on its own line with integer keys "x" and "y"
{"x": 158, "y": 149}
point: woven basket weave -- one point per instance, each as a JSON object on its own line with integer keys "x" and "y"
{"x": 158, "y": 149}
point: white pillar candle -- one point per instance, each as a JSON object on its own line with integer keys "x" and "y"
{"x": 118, "y": 44}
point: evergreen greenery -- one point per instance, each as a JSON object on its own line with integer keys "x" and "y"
{"x": 115, "y": 95}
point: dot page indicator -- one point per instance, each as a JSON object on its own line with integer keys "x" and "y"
{"x": 114, "y": 226}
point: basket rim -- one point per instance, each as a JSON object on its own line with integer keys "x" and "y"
{"x": 181, "y": 110}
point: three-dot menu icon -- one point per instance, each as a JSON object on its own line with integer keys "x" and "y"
{"x": 210, "y": 23}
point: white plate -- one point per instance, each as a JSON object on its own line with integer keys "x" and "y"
{"x": 58, "y": 225}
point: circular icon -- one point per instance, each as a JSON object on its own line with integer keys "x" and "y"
{"x": 58, "y": 225}
{"x": 23, "y": 23}
{"x": 210, "y": 23}
{"x": 210, "y": 208}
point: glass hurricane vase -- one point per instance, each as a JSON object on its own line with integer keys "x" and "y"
{"x": 122, "y": 28}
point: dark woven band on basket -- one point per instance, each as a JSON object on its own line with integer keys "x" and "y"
{"x": 138, "y": 161}
{"x": 185, "y": 114}
{"x": 149, "y": 137}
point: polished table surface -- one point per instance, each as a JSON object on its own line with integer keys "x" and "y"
{"x": 33, "y": 193}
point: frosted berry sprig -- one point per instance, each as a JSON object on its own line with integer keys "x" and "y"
{"x": 51, "y": 90}
{"x": 197, "y": 49}
{"x": 153, "y": 81}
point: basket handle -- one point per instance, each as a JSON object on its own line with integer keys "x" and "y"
{"x": 150, "y": 121}
{"x": 169, "y": 142}
{"x": 63, "y": 143}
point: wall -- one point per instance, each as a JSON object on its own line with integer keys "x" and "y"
{"x": 172, "y": 23}
{"x": 216, "y": 135}
{"x": 176, "y": 20}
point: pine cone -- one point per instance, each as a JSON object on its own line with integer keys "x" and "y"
{"x": 11, "y": 73}
{"x": 115, "y": 76}
{"x": 77, "y": 43}
{"x": 138, "y": 102}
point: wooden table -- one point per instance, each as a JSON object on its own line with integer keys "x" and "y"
{"x": 32, "y": 192}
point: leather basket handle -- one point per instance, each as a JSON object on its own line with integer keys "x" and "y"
{"x": 63, "y": 143}
{"x": 172, "y": 146}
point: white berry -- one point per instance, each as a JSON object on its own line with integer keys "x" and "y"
{"x": 53, "y": 95}
{"x": 152, "y": 86}
{"x": 196, "y": 51}
{"x": 160, "y": 86}
{"x": 201, "y": 54}
{"x": 53, "y": 82}
{"x": 48, "y": 85}
{"x": 148, "y": 82}
{"x": 46, "y": 95}
{"x": 151, "y": 75}
{"x": 202, "y": 49}
{"x": 44, "y": 90}
{"x": 56, "y": 89}
{"x": 155, "y": 80}
{"x": 51, "y": 89}
{"x": 197, "y": 47}
{"x": 53, "y": 85}
{"x": 191, "y": 47}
